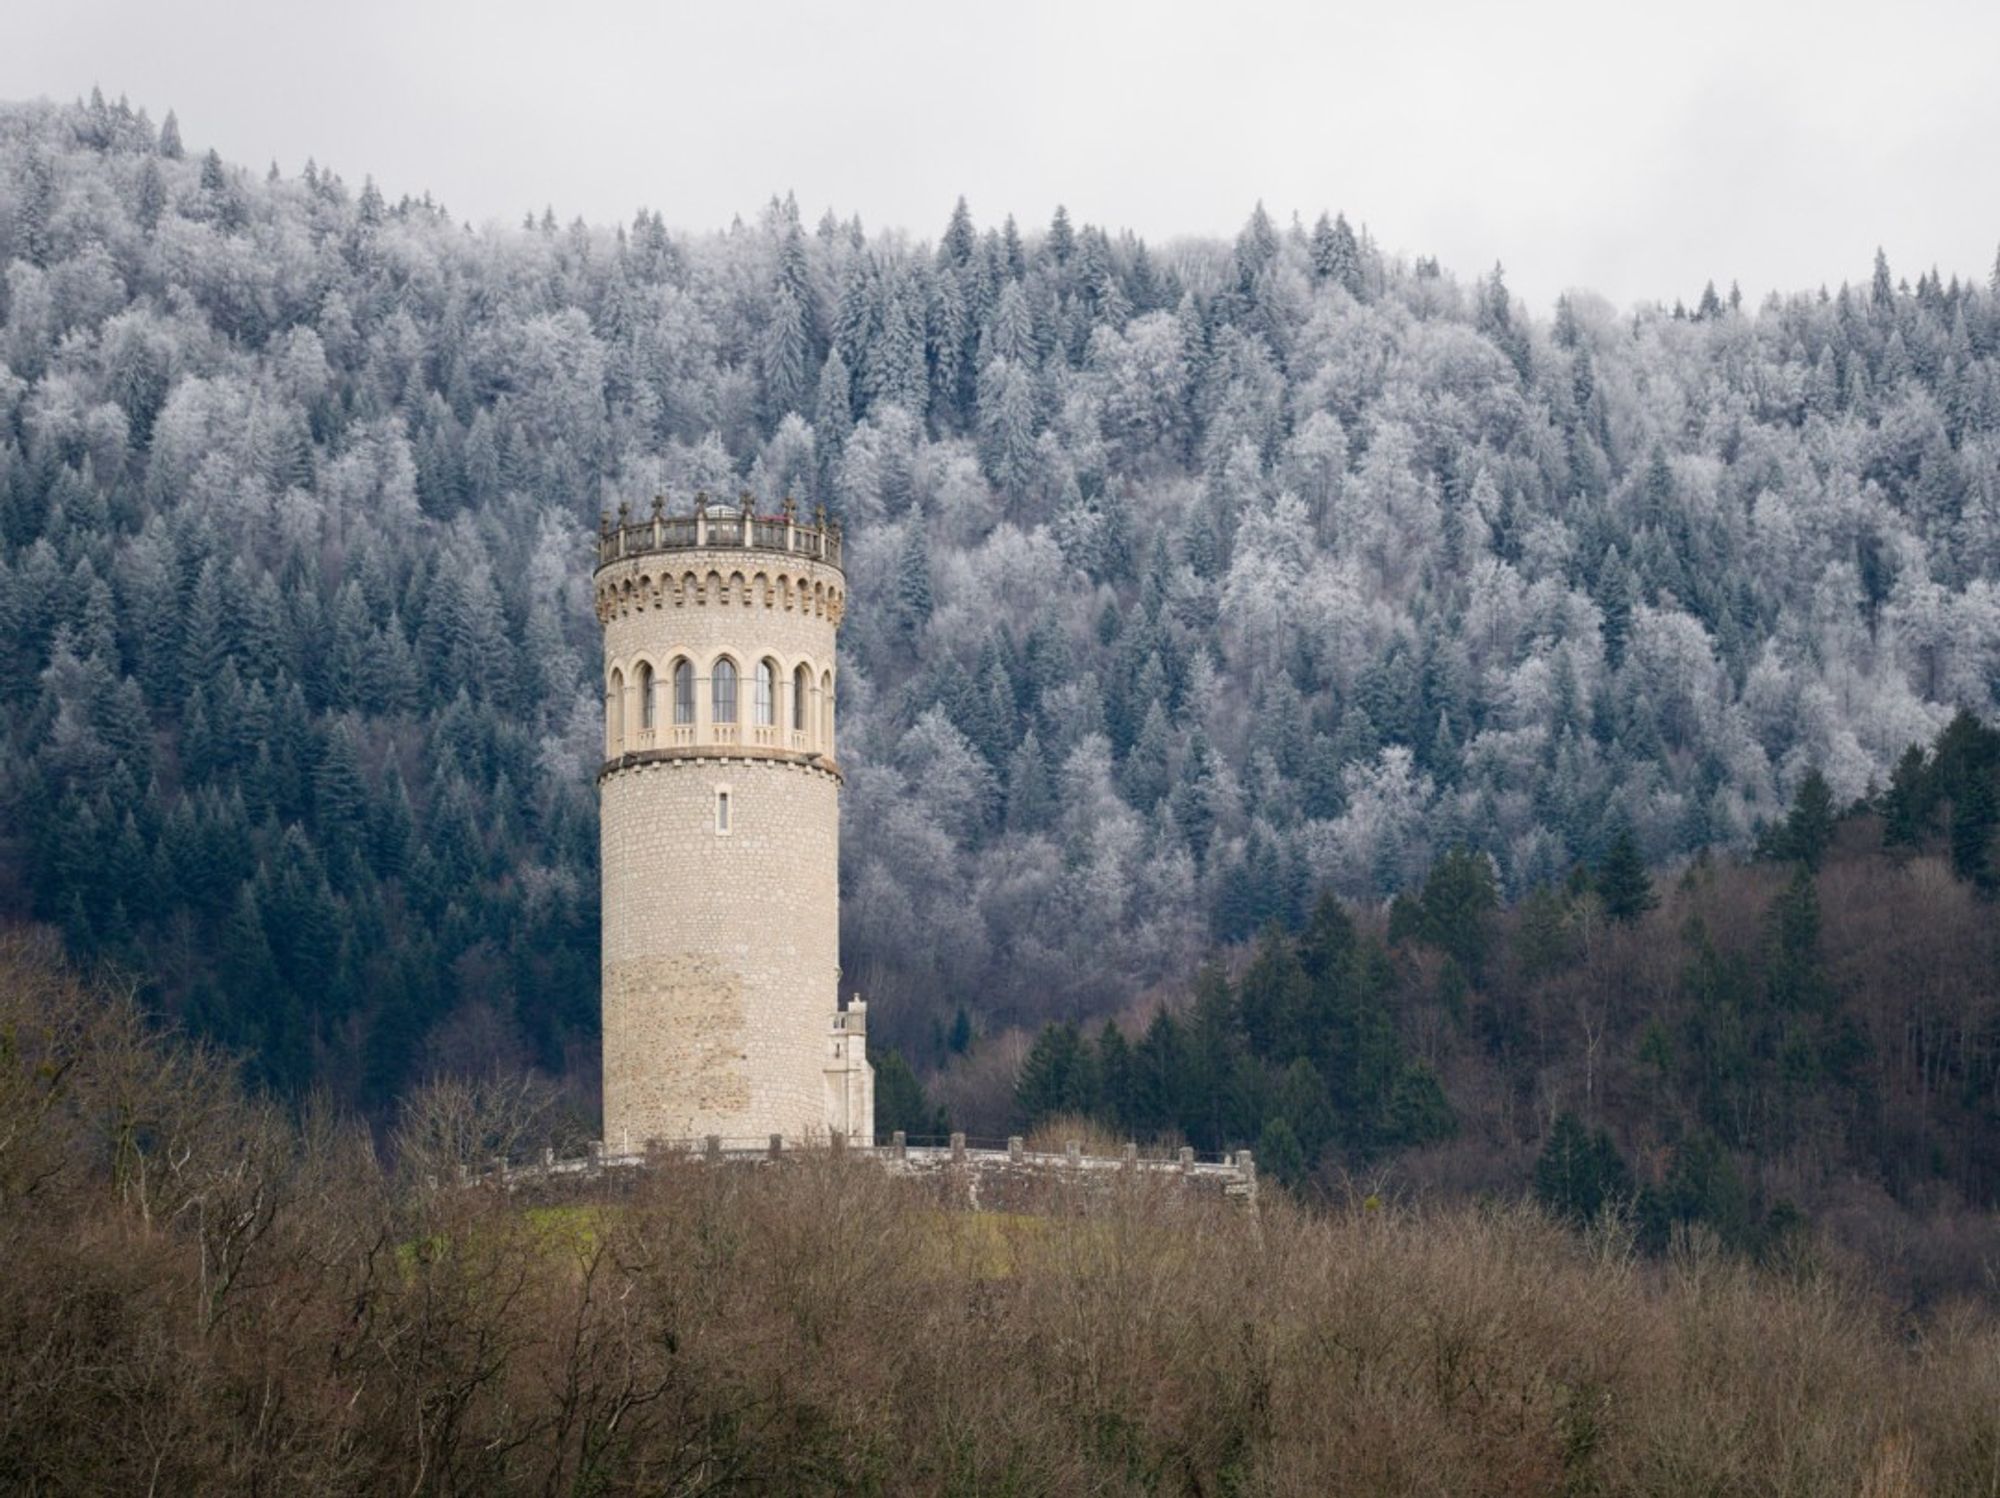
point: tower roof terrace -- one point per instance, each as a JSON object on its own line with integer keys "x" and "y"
{"x": 718, "y": 527}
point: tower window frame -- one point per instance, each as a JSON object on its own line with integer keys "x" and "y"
{"x": 722, "y": 690}
{"x": 724, "y": 811}
{"x": 764, "y": 696}
{"x": 683, "y": 692}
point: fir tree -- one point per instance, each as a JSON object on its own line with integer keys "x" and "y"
{"x": 1622, "y": 881}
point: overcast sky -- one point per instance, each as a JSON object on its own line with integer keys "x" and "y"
{"x": 1636, "y": 150}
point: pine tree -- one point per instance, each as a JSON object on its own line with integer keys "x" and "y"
{"x": 1031, "y": 800}
{"x": 833, "y": 420}
{"x": 782, "y": 356}
{"x": 913, "y": 585}
{"x": 1622, "y": 881}
{"x": 1061, "y": 241}
{"x": 170, "y": 137}
{"x": 959, "y": 240}
{"x": 1881, "y": 291}
{"x": 1580, "y": 1172}
{"x": 1808, "y": 828}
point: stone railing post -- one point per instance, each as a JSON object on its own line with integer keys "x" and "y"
{"x": 1016, "y": 1147}
{"x": 1131, "y": 1154}
{"x": 1073, "y": 1152}
{"x": 777, "y": 1145}
{"x": 1187, "y": 1160}
{"x": 1246, "y": 1165}
{"x": 958, "y": 1149}
{"x": 899, "y": 1145}
{"x": 712, "y": 1146}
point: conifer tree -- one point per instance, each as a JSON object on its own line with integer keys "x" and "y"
{"x": 1622, "y": 881}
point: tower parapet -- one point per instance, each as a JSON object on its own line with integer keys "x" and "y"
{"x": 720, "y": 825}
{"x": 726, "y": 527}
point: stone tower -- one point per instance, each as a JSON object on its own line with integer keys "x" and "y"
{"x": 721, "y": 833}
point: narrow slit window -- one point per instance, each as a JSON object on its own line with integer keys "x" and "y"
{"x": 722, "y": 813}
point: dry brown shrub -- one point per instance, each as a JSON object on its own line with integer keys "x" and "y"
{"x": 203, "y": 1295}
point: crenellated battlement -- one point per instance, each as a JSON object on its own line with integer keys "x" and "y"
{"x": 720, "y": 528}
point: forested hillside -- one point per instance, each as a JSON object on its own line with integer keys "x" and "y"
{"x": 1189, "y": 580}
{"x": 1810, "y": 1034}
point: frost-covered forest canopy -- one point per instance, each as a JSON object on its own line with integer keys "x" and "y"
{"x": 1189, "y": 580}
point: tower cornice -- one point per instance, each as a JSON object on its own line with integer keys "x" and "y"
{"x": 632, "y": 759}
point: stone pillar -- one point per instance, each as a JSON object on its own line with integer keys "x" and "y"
{"x": 1016, "y": 1147}
{"x": 958, "y": 1149}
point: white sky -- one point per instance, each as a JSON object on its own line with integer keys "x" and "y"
{"x": 1633, "y": 149}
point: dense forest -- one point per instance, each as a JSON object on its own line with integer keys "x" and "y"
{"x": 1810, "y": 1035}
{"x": 1193, "y": 582}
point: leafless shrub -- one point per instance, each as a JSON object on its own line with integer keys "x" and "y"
{"x": 204, "y": 1295}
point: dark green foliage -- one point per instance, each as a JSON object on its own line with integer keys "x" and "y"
{"x": 1622, "y": 881}
{"x": 1455, "y": 911}
{"x": 1703, "y": 1185}
{"x": 901, "y": 1102}
{"x": 1306, "y": 1041}
{"x": 1808, "y": 827}
{"x": 1580, "y": 1172}
{"x": 1962, "y": 776}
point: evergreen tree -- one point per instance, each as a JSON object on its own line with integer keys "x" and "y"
{"x": 1580, "y": 1172}
{"x": 913, "y": 585}
{"x": 1622, "y": 881}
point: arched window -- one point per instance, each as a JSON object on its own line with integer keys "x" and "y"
{"x": 724, "y": 684}
{"x": 648, "y": 709}
{"x": 826, "y": 711}
{"x": 614, "y": 712}
{"x": 767, "y": 693}
{"x": 683, "y": 691}
{"x": 802, "y": 690}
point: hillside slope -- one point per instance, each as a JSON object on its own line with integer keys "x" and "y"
{"x": 1188, "y": 581}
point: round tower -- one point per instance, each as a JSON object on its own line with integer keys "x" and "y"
{"x": 719, "y": 800}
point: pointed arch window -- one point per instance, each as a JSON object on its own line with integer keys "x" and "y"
{"x": 649, "y": 716}
{"x": 723, "y": 690}
{"x": 802, "y": 687}
{"x": 614, "y": 712}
